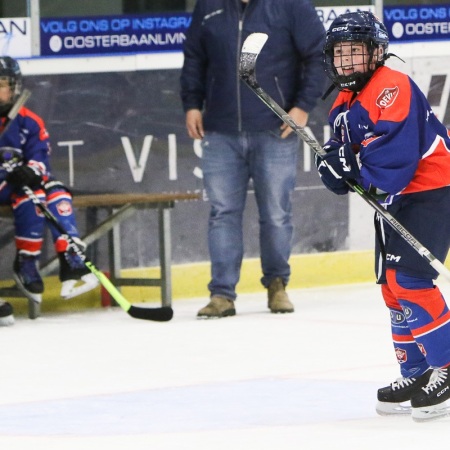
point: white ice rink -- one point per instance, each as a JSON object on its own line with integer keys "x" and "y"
{"x": 257, "y": 381}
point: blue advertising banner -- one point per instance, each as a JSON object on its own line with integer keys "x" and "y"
{"x": 113, "y": 34}
{"x": 417, "y": 23}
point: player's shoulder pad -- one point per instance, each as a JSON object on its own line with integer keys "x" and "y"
{"x": 388, "y": 94}
{"x": 33, "y": 118}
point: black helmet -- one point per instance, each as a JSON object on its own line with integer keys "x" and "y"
{"x": 362, "y": 26}
{"x": 10, "y": 70}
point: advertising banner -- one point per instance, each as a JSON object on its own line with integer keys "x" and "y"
{"x": 113, "y": 34}
{"x": 328, "y": 13}
{"x": 133, "y": 33}
{"x": 417, "y": 23}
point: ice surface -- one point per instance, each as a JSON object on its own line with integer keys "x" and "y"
{"x": 256, "y": 381}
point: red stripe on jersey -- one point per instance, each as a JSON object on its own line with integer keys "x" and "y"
{"x": 43, "y": 133}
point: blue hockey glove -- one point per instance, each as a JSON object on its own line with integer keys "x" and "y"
{"x": 332, "y": 180}
{"x": 344, "y": 162}
{"x": 25, "y": 176}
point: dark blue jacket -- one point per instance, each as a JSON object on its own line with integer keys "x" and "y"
{"x": 289, "y": 67}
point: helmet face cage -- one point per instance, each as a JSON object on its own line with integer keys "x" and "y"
{"x": 360, "y": 27}
{"x": 11, "y": 76}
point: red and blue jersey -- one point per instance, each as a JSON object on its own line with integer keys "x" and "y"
{"x": 404, "y": 148}
{"x": 28, "y": 135}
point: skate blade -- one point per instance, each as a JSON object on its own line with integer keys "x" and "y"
{"x": 393, "y": 409}
{"x": 37, "y": 298}
{"x": 73, "y": 288}
{"x": 428, "y": 413}
{"x": 6, "y": 321}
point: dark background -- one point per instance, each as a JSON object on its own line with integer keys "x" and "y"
{"x": 101, "y": 108}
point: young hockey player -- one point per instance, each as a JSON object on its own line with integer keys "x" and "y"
{"x": 24, "y": 160}
{"x": 386, "y": 137}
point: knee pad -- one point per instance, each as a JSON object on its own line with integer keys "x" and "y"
{"x": 52, "y": 186}
{"x": 411, "y": 291}
{"x": 59, "y": 199}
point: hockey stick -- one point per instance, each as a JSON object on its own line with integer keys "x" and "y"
{"x": 162, "y": 314}
{"x": 21, "y": 100}
{"x": 250, "y": 51}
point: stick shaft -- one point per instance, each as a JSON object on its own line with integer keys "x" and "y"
{"x": 158, "y": 314}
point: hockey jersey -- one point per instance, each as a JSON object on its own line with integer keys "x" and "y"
{"x": 28, "y": 138}
{"x": 404, "y": 148}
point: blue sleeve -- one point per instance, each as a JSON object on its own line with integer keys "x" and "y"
{"x": 390, "y": 158}
{"x": 193, "y": 73}
{"x": 309, "y": 41}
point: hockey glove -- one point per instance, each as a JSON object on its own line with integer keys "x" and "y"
{"x": 344, "y": 162}
{"x": 330, "y": 178}
{"x": 25, "y": 176}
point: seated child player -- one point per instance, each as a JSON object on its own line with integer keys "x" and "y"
{"x": 24, "y": 161}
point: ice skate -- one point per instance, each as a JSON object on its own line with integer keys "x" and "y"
{"x": 75, "y": 277}
{"x": 6, "y": 314}
{"x": 431, "y": 402}
{"x": 395, "y": 398}
{"x": 218, "y": 307}
{"x": 27, "y": 277}
{"x": 278, "y": 299}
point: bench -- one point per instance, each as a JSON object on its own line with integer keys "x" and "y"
{"x": 120, "y": 207}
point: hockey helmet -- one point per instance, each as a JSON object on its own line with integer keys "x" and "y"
{"x": 361, "y": 26}
{"x": 10, "y": 73}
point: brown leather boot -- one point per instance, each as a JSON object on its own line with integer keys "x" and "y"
{"x": 278, "y": 299}
{"x": 218, "y": 307}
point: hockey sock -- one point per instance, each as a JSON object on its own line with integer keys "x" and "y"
{"x": 409, "y": 355}
{"x": 426, "y": 314}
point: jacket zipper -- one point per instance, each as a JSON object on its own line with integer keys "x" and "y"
{"x": 238, "y": 53}
{"x": 277, "y": 84}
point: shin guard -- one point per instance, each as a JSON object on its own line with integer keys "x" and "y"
{"x": 412, "y": 361}
{"x": 426, "y": 314}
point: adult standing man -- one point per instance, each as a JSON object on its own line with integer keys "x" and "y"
{"x": 242, "y": 139}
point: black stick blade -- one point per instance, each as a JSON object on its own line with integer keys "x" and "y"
{"x": 163, "y": 314}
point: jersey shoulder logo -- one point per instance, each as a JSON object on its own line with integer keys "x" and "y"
{"x": 387, "y": 97}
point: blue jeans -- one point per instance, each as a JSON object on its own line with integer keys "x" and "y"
{"x": 229, "y": 161}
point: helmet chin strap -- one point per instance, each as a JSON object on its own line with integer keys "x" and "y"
{"x": 328, "y": 92}
{"x": 388, "y": 55}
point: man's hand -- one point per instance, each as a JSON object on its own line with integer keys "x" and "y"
{"x": 300, "y": 118}
{"x": 194, "y": 124}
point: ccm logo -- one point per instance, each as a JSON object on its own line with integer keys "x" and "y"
{"x": 443, "y": 390}
{"x": 387, "y": 97}
{"x": 339, "y": 29}
{"x": 390, "y": 257}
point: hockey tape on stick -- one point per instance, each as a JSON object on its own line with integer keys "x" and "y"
{"x": 23, "y": 97}
{"x": 247, "y": 63}
{"x": 162, "y": 314}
